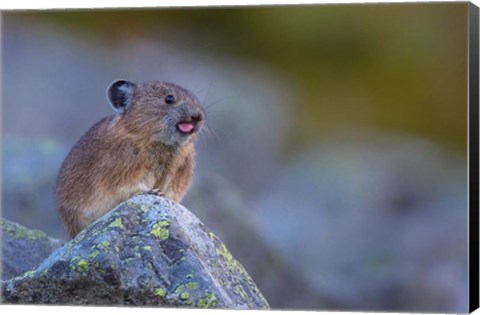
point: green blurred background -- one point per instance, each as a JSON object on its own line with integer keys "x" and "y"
{"x": 400, "y": 67}
{"x": 334, "y": 165}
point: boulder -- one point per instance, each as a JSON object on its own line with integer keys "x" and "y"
{"x": 374, "y": 223}
{"x": 220, "y": 204}
{"x": 147, "y": 251}
{"x": 23, "y": 249}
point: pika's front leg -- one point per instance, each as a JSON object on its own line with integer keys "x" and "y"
{"x": 154, "y": 191}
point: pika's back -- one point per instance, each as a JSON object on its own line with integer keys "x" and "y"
{"x": 148, "y": 145}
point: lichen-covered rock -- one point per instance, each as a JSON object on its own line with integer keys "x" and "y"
{"x": 147, "y": 251}
{"x": 23, "y": 249}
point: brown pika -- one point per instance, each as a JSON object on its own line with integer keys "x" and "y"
{"x": 147, "y": 147}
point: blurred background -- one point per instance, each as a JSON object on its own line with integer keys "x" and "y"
{"x": 334, "y": 161}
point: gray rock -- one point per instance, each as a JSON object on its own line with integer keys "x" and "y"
{"x": 147, "y": 251}
{"x": 28, "y": 190}
{"x": 377, "y": 223}
{"x": 223, "y": 208}
{"x": 23, "y": 249}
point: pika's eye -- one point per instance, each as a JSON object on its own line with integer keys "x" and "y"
{"x": 169, "y": 99}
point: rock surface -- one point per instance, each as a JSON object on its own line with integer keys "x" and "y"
{"x": 23, "y": 249}
{"x": 147, "y": 251}
{"x": 377, "y": 224}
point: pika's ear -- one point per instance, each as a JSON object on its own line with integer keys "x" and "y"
{"x": 120, "y": 94}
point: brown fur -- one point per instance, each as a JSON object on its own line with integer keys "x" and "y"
{"x": 121, "y": 156}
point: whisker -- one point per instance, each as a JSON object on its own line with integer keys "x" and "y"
{"x": 223, "y": 136}
{"x": 215, "y": 102}
{"x": 206, "y": 134}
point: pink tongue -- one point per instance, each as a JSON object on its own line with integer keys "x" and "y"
{"x": 185, "y": 127}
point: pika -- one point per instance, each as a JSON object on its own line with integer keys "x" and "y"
{"x": 146, "y": 147}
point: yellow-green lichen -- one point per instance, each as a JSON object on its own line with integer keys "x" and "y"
{"x": 17, "y": 231}
{"x": 184, "y": 288}
{"x": 192, "y": 285}
{"x": 161, "y": 292}
{"x": 82, "y": 265}
{"x": 94, "y": 254}
{"x": 79, "y": 264}
{"x": 148, "y": 248}
{"x": 105, "y": 246}
{"x": 184, "y": 295}
{"x": 241, "y": 292}
{"x": 230, "y": 262}
{"x": 160, "y": 230}
{"x": 209, "y": 300}
{"x": 98, "y": 269}
{"x": 179, "y": 288}
{"x": 117, "y": 223}
{"x": 27, "y": 274}
{"x": 211, "y": 235}
{"x": 239, "y": 274}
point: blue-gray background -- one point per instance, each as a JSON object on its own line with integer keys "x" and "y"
{"x": 334, "y": 164}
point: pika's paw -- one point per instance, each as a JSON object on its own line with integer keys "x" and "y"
{"x": 154, "y": 191}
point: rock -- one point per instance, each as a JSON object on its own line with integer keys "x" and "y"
{"x": 23, "y": 249}
{"x": 379, "y": 223}
{"x": 222, "y": 207}
{"x": 28, "y": 190}
{"x": 147, "y": 251}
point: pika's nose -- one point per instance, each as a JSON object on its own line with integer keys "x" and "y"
{"x": 196, "y": 117}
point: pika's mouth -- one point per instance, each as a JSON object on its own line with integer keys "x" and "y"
{"x": 186, "y": 127}
{"x": 191, "y": 123}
